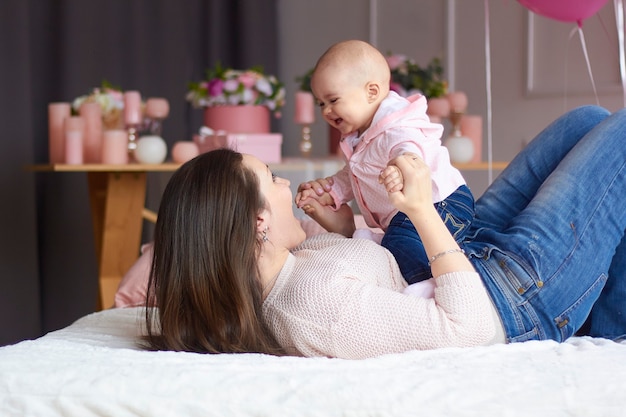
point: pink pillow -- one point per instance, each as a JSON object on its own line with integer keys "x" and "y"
{"x": 132, "y": 289}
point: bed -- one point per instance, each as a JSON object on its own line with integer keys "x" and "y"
{"x": 95, "y": 367}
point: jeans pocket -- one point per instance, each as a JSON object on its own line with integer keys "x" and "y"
{"x": 522, "y": 280}
{"x": 457, "y": 212}
{"x": 573, "y": 317}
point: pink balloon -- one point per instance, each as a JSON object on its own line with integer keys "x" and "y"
{"x": 564, "y": 10}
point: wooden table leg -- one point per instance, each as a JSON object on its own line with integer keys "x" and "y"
{"x": 117, "y": 203}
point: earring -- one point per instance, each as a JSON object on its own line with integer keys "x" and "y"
{"x": 264, "y": 237}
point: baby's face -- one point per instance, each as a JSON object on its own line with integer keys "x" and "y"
{"x": 343, "y": 100}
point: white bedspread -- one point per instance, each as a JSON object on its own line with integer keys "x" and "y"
{"x": 94, "y": 368}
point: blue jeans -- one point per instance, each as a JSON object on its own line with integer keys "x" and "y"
{"x": 402, "y": 240}
{"x": 549, "y": 234}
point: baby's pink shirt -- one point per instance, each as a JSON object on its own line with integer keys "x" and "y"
{"x": 400, "y": 125}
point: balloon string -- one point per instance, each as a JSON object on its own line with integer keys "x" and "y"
{"x": 488, "y": 89}
{"x": 584, "y": 46}
{"x": 619, "y": 20}
{"x": 565, "y": 82}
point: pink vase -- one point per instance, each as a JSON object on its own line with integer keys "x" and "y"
{"x": 238, "y": 119}
{"x": 472, "y": 127}
{"x": 91, "y": 113}
{"x": 57, "y": 112}
{"x": 114, "y": 147}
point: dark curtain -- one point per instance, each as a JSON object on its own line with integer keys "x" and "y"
{"x": 57, "y": 50}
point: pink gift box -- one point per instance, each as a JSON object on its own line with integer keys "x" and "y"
{"x": 265, "y": 146}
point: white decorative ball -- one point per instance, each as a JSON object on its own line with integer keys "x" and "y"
{"x": 460, "y": 148}
{"x": 150, "y": 150}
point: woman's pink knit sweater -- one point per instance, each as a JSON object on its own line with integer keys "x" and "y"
{"x": 341, "y": 297}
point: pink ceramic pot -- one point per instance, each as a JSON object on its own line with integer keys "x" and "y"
{"x": 183, "y": 151}
{"x": 439, "y": 107}
{"x": 238, "y": 119}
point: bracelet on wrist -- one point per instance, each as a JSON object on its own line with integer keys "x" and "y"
{"x": 444, "y": 253}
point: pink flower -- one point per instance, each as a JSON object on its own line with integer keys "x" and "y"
{"x": 248, "y": 79}
{"x": 397, "y": 87}
{"x": 215, "y": 87}
{"x": 394, "y": 61}
{"x": 231, "y": 85}
{"x": 115, "y": 94}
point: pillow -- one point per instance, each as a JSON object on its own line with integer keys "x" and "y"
{"x": 132, "y": 289}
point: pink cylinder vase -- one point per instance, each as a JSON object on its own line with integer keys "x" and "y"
{"x": 238, "y": 119}
{"x": 132, "y": 108}
{"x": 305, "y": 108}
{"x": 472, "y": 127}
{"x": 115, "y": 147}
{"x": 91, "y": 112}
{"x": 74, "y": 127}
{"x": 57, "y": 112}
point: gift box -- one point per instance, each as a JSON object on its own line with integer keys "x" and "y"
{"x": 265, "y": 146}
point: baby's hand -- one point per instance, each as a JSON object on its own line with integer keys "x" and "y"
{"x": 306, "y": 195}
{"x": 318, "y": 187}
{"x": 338, "y": 221}
{"x": 391, "y": 178}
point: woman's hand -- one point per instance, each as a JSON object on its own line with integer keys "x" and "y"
{"x": 416, "y": 201}
{"x": 416, "y": 190}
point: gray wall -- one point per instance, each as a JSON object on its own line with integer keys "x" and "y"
{"x": 421, "y": 30}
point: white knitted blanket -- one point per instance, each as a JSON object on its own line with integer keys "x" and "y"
{"x": 95, "y": 368}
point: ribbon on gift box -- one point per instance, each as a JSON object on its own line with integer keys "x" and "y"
{"x": 265, "y": 146}
{"x": 208, "y": 139}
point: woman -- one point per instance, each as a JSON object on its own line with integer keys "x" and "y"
{"x": 231, "y": 272}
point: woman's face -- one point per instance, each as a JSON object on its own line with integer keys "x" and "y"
{"x": 284, "y": 229}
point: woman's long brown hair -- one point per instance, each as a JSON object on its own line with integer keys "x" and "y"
{"x": 204, "y": 275}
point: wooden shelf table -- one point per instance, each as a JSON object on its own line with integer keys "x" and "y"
{"x": 117, "y": 195}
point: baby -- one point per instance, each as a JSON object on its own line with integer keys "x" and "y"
{"x": 351, "y": 85}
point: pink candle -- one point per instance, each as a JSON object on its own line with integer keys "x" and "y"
{"x": 74, "y": 127}
{"x": 91, "y": 112}
{"x": 57, "y": 112}
{"x": 458, "y": 101}
{"x": 472, "y": 127}
{"x": 115, "y": 147}
{"x": 305, "y": 108}
{"x": 132, "y": 108}
{"x": 157, "y": 108}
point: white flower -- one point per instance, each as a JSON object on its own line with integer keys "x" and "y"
{"x": 264, "y": 86}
